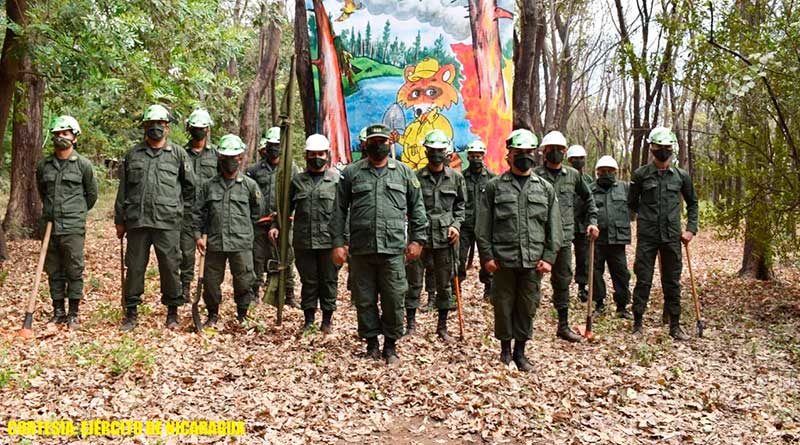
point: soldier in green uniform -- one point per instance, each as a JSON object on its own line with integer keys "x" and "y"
{"x": 576, "y": 156}
{"x": 476, "y": 176}
{"x": 203, "y": 157}
{"x": 378, "y": 194}
{"x": 311, "y": 198}
{"x": 265, "y": 172}
{"x": 68, "y": 190}
{"x": 228, "y": 206}
{"x": 444, "y": 194}
{"x": 567, "y": 184}
{"x": 519, "y": 234}
{"x": 613, "y": 219}
{"x": 655, "y": 198}
{"x": 156, "y": 185}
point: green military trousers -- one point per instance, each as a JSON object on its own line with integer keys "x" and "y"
{"x": 241, "y": 265}
{"x": 671, "y": 266}
{"x": 319, "y": 278}
{"x": 467, "y": 240}
{"x": 64, "y": 266}
{"x": 188, "y": 250}
{"x": 614, "y": 256}
{"x": 379, "y": 278}
{"x": 515, "y": 297}
{"x": 581, "y": 245}
{"x": 561, "y": 277}
{"x": 263, "y": 252}
{"x": 442, "y": 260}
{"x": 168, "y": 253}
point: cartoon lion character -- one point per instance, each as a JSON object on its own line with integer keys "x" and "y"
{"x": 428, "y": 89}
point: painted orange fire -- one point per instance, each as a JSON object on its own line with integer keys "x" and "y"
{"x": 490, "y": 116}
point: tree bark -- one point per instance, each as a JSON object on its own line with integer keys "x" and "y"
{"x": 9, "y": 66}
{"x": 305, "y": 77}
{"x": 24, "y": 207}
{"x": 3, "y": 247}
{"x": 270, "y": 37}
{"x": 524, "y": 66}
{"x": 483, "y": 17}
{"x": 756, "y": 256}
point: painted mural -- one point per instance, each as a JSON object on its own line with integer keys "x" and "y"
{"x": 414, "y": 66}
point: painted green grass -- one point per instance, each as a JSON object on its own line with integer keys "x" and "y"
{"x": 366, "y": 69}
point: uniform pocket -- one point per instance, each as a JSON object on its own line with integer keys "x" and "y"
{"x": 397, "y": 194}
{"x": 537, "y": 207}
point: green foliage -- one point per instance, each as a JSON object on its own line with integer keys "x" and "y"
{"x": 119, "y": 359}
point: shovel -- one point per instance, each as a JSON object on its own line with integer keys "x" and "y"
{"x": 586, "y": 332}
{"x": 697, "y": 312}
{"x": 27, "y": 325}
{"x": 198, "y": 324}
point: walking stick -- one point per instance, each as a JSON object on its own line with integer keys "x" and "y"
{"x": 698, "y": 314}
{"x": 122, "y": 272}
{"x": 198, "y": 325}
{"x": 27, "y": 324}
{"x": 457, "y": 286}
{"x": 588, "y": 334}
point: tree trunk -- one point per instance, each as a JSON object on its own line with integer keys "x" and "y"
{"x": 483, "y": 17}
{"x": 331, "y": 97}
{"x": 524, "y": 66}
{"x": 9, "y": 67}
{"x": 270, "y": 38}
{"x": 24, "y": 207}
{"x": 305, "y": 77}
{"x": 756, "y": 257}
{"x": 3, "y": 247}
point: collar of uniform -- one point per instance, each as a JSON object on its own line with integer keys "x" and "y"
{"x": 508, "y": 176}
{"x": 392, "y": 165}
{"x": 329, "y": 175}
{"x": 652, "y": 169}
{"x": 427, "y": 173}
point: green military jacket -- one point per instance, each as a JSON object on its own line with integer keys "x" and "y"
{"x": 377, "y": 203}
{"x": 476, "y": 185}
{"x": 155, "y": 188}
{"x": 227, "y": 212}
{"x": 444, "y": 204}
{"x": 266, "y": 176}
{"x": 613, "y": 217}
{"x": 204, "y": 164}
{"x": 569, "y": 183}
{"x": 656, "y": 200}
{"x": 581, "y": 207}
{"x": 312, "y": 203}
{"x": 518, "y": 226}
{"x": 68, "y": 190}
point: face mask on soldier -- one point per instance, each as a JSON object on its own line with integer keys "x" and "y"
{"x": 662, "y": 154}
{"x": 61, "y": 143}
{"x": 197, "y": 133}
{"x": 378, "y": 152}
{"x": 229, "y": 164}
{"x": 156, "y": 132}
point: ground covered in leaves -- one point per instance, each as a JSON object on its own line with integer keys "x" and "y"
{"x": 737, "y": 385}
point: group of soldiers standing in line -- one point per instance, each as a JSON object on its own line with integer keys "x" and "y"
{"x": 389, "y": 223}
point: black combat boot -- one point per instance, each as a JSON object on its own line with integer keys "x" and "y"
{"x": 675, "y": 330}
{"x": 638, "y": 325}
{"x": 72, "y": 315}
{"x": 172, "y": 317}
{"x": 308, "y": 319}
{"x": 519, "y": 356}
{"x": 441, "y": 327}
{"x": 373, "y": 348}
{"x": 623, "y": 313}
{"x": 564, "y": 332}
{"x": 290, "y": 300}
{"x": 505, "y": 351}
{"x": 583, "y": 294}
{"x": 241, "y": 313}
{"x": 665, "y": 316}
{"x": 59, "y": 315}
{"x": 327, "y": 322}
{"x": 389, "y": 351}
{"x": 130, "y": 320}
{"x": 411, "y": 321}
{"x": 213, "y": 317}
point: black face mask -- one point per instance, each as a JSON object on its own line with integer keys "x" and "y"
{"x": 273, "y": 152}
{"x": 554, "y": 156}
{"x": 316, "y": 163}
{"x": 156, "y": 132}
{"x": 229, "y": 165}
{"x": 61, "y": 143}
{"x": 524, "y": 161}
{"x": 476, "y": 164}
{"x": 606, "y": 180}
{"x": 662, "y": 154}
{"x": 435, "y": 157}
{"x": 578, "y": 164}
{"x": 378, "y": 152}
{"x": 197, "y": 133}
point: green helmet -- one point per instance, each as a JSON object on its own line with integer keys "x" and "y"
{"x": 199, "y": 119}
{"x": 231, "y": 145}
{"x": 155, "y": 113}
{"x": 436, "y": 139}
{"x": 362, "y": 135}
{"x": 476, "y": 146}
{"x": 273, "y": 135}
{"x": 65, "y": 122}
{"x": 662, "y": 136}
{"x": 522, "y": 138}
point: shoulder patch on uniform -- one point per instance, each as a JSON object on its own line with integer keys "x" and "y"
{"x": 73, "y": 158}
{"x": 415, "y": 182}
{"x": 239, "y": 179}
{"x": 168, "y": 148}
{"x": 187, "y": 166}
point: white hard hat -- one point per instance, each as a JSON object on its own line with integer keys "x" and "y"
{"x": 317, "y": 142}
{"x": 476, "y": 146}
{"x": 606, "y": 161}
{"x": 554, "y": 138}
{"x": 576, "y": 151}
